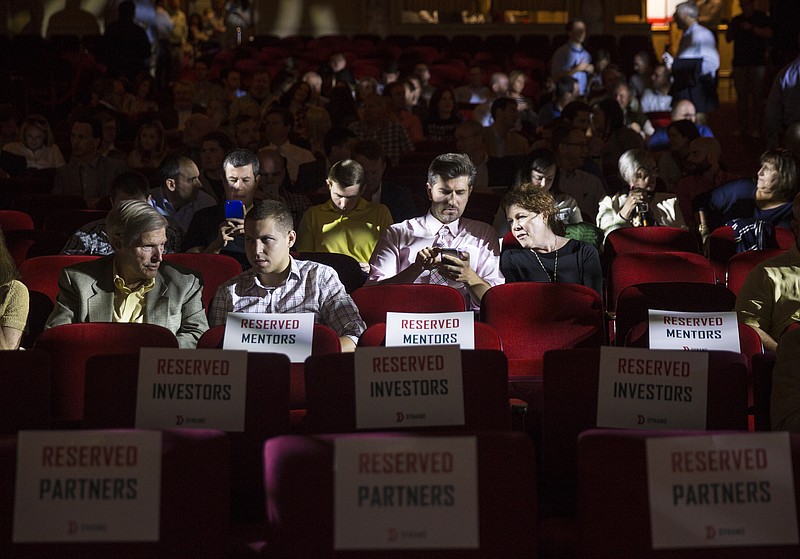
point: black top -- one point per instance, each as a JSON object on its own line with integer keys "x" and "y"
{"x": 578, "y": 262}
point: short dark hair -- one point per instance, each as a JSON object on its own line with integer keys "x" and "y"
{"x": 371, "y": 149}
{"x": 241, "y": 158}
{"x": 450, "y": 166}
{"x": 685, "y": 128}
{"x": 221, "y": 138}
{"x": 571, "y": 23}
{"x": 170, "y": 168}
{"x": 95, "y": 124}
{"x": 501, "y": 103}
{"x": 132, "y": 183}
{"x": 564, "y": 85}
{"x": 336, "y": 137}
{"x": 538, "y": 160}
{"x": 347, "y": 172}
{"x": 271, "y": 209}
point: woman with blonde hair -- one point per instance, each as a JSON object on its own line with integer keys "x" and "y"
{"x": 13, "y": 300}
{"x": 36, "y": 144}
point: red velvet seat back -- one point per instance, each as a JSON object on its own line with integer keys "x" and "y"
{"x": 374, "y": 301}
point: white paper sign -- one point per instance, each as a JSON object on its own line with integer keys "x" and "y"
{"x": 456, "y": 328}
{"x": 704, "y": 331}
{"x": 290, "y": 333}
{"x": 652, "y": 389}
{"x": 408, "y": 386}
{"x": 406, "y": 493}
{"x": 721, "y": 490}
{"x": 83, "y": 486}
{"x": 191, "y": 388}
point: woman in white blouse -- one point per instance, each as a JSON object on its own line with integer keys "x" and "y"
{"x": 36, "y": 144}
{"x": 641, "y": 205}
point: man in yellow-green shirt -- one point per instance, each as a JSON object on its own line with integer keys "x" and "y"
{"x": 346, "y": 223}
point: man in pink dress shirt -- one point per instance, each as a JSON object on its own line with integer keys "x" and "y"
{"x": 412, "y": 251}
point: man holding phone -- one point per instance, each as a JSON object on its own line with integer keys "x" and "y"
{"x": 441, "y": 247}
{"x": 218, "y": 229}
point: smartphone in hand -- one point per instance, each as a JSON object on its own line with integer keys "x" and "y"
{"x": 234, "y": 209}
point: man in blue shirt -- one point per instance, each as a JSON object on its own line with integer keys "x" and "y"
{"x": 571, "y": 59}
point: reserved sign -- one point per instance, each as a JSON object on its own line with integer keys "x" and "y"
{"x": 191, "y": 388}
{"x": 408, "y": 386}
{"x": 291, "y": 333}
{"x": 699, "y": 331}
{"x": 452, "y": 328}
{"x": 85, "y": 486}
{"x": 721, "y": 491}
{"x": 652, "y": 389}
{"x": 406, "y": 493}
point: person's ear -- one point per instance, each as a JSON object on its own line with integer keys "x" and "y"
{"x": 292, "y": 236}
{"x": 170, "y": 184}
{"x": 116, "y": 242}
{"x": 429, "y": 190}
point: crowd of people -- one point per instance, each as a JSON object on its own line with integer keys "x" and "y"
{"x": 261, "y": 165}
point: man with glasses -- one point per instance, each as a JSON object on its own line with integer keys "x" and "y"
{"x": 133, "y": 284}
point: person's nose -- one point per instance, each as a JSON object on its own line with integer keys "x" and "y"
{"x": 158, "y": 254}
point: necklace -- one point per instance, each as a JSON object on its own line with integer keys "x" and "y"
{"x": 554, "y": 277}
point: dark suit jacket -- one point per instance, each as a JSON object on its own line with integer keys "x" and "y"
{"x": 86, "y": 294}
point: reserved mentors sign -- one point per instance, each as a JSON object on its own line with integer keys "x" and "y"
{"x": 451, "y": 328}
{"x": 83, "y": 486}
{"x": 291, "y": 333}
{"x": 406, "y": 493}
{"x": 408, "y": 386}
{"x": 721, "y": 490}
{"x": 703, "y": 331}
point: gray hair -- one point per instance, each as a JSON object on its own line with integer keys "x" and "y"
{"x": 132, "y": 219}
{"x": 450, "y": 166}
{"x": 633, "y": 160}
{"x": 688, "y": 9}
{"x": 241, "y": 158}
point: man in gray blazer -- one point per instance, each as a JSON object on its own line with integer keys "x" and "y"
{"x": 133, "y": 284}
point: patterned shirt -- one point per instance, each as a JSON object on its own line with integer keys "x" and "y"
{"x": 92, "y": 239}
{"x": 392, "y": 137}
{"x": 310, "y": 287}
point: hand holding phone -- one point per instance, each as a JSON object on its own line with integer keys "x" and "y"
{"x": 234, "y": 209}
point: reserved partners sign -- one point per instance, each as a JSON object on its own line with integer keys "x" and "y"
{"x": 84, "y": 486}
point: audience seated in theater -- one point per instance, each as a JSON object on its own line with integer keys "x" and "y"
{"x": 572, "y": 59}
{"x": 683, "y": 110}
{"x": 108, "y": 144}
{"x": 257, "y": 98}
{"x": 769, "y": 300}
{"x": 274, "y": 184}
{"x": 498, "y": 87}
{"x": 703, "y": 173}
{"x": 423, "y": 74}
{"x": 231, "y": 84}
{"x": 443, "y": 116}
{"x": 197, "y": 126}
{"x": 88, "y": 173}
{"x": 13, "y": 301}
{"x": 278, "y": 125}
{"x": 204, "y": 90}
{"x": 610, "y": 137}
{"x": 412, "y": 251}
{"x": 414, "y": 102}
{"x": 753, "y": 208}
{"x": 395, "y": 94}
{"x": 397, "y": 198}
{"x": 133, "y": 284}
{"x": 642, "y": 77}
{"x": 314, "y": 81}
{"x": 93, "y": 239}
{"x": 311, "y": 176}
{"x": 571, "y": 148}
{"x": 296, "y": 100}
{"x": 245, "y": 132}
{"x": 470, "y": 141}
{"x": 475, "y": 91}
{"x": 210, "y": 231}
{"x": 602, "y": 61}
{"x": 656, "y": 99}
{"x": 375, "y": 124}
{"x": 578, "y": 114}
{"x": 501, "y": 138}
{"x": 566, "y": 91}
{"x": 335, "y": 72}
{"x": 149, "y": 147}
{"x": 641, "y": 202}
{"x": 346, "y": 223}
{"x": 544, "y": 254}
{"x": 783, "y": 101}
{"x": 213, "y": 148}
{"x": 180, "y": 193}
{"x": 36, "y": 144}
{"x": 277, "y": 283}
{"x": 672, "y": 163}
{"x": 635, "y": 119}
{"x": 142, "y": 103}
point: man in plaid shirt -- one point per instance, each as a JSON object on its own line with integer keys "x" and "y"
{"x": 277, "y": 283}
